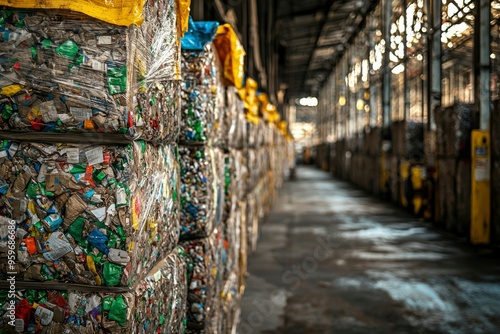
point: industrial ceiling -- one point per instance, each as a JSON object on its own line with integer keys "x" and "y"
{"x": 292, "y": 45}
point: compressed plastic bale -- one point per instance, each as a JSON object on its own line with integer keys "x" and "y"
{"x": 241, "y": 221}
{"x": 264, "y": 161}
{"x": 495, "y": 131}
{"x": 202, "y": 190}
{"x": 233, "y": 120}
{"x": 244, "y": 174}
{"x": 374, "y": 141}
{"x": 394, "y": 179}
{"x": 455, "y": 135}
{"x": 463, "y": 197}
{"x": 253, "y": 167}
{"x": 231, "y": 249}
{"x": 440, "y": 132}
{"x": 261, "y": 134}
{"x": 446, "y": 184}
{"x": 96, "y": 215}
{"x": 252, "y": 220}
{"x": 220, "y": 172}
{"x": 243, "y": 140}
{"x": 202, "y": 95}
{"x": 204, "y": 262}
{"x": 66, "y": 72}
{"x": 252, "y": 134}
{"x": 495, "y": 198}
{"x": 157, "y": 304}
{"x": 230, "y": 305}
{"x": 413, "y": 140}
{"x": 160, "y": 305}
{"x": 233, "y": 182}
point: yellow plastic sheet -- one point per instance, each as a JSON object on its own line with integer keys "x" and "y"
{"x": 119, "y": 12}
{"x": 249, "y": 96}
{"x": 231, "y": 54}
{"x": 268, "y": 110}
{"x": 183, "y": 10}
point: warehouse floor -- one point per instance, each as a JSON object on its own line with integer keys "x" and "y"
{"x": 332, "y": 259}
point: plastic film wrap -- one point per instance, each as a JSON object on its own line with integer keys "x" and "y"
{"x": 96, "y": 215}
{"x": 204, "y": 262}
{"x": 156, "y": 305}
{"x": 65, "y": 72}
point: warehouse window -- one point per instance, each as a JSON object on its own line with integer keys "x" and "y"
{"x": 457, "y": 40}
{"x": 396, "y": 57}
{"x": 495, "y": 49}
{"x": 376, "y": 58}
{"x": 415, "y": 65}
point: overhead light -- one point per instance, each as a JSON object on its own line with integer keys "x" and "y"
{"x": 398, "y": 69}
{"x": 360, "y": 104}
{"x": 308, "y": 101}
{"x": 342, "y": 101}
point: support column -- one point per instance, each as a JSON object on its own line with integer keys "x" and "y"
{"x": 481, "y": 152}
{"x": 434, "y": 77}
{"x": 386, "y": 99}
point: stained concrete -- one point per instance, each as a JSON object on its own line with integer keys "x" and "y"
{"x": 332, "y": 259}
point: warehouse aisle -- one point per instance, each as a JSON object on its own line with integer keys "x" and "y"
{"x": 331, "y": 259}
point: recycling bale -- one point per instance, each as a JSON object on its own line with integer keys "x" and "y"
{"x": 234, "y": 120}
{"x": 204, "y": 262}
{"x": 252, "y": 221}
{"x": 94, "y": 215}
{"x": 495, "y": 205}
{"x": 241, "y": 222}
{"x": 203, "y": 100}
{"x": 202, "y": 190}
{"x": 230, "y": 305}
{"x": 231, "y": 247}
{"x": 253, "y": 167}
{"x": 160, "y": 298}
{"x": 65, "y": 72}
{"x": 156, "y": 304}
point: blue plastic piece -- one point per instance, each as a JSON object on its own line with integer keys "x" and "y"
{"x": 199, "y": 34}
{"x": 98, "y": 240}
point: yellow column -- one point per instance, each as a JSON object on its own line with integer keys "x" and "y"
{"x": 481, "y": 188}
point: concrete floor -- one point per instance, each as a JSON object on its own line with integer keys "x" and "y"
{"x": 332, "y": 259}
